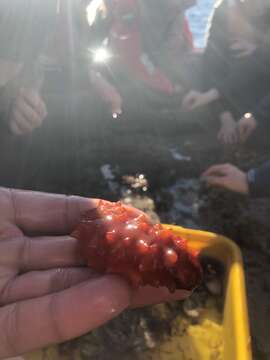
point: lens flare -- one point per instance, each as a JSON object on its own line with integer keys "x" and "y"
{"x": 101, "y": 55}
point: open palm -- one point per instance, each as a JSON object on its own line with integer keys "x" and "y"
{"x": 46, "y": 295}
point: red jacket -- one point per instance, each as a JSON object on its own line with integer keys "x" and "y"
{"x": 126, "y": 41}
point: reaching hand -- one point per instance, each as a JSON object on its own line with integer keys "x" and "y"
{"x": 243, "y": 48}
{"x": 108, "y": 92}
{"x": 28, "y": 112}
{"x": 46, "y": 296}
{"x": 195, "y": 99}
{"x": 228, "y": 177}
{"x": 115, "y": 101}
{"x": 246, "y": 126}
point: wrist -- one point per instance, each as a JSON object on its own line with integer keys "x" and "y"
{"x": 227, "y": 117}
{"x": 251, "y": 179}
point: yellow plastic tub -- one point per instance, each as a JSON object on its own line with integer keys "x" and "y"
{"x": 235, "y": 323}
{"x": 237, "y": 341}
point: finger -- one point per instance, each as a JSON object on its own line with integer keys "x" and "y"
{"x": 221, "y": 137}
{"x": 215, "y": 169}
{"x": 235, "y": 137}
{"x": 15, "y": 128}
{"x": 42, "y": 109}
{"x": 225, "y": 140}
{"x": 50, "y": 252}
{"x": 40, "y": 283}
{"x": 30, "y": 114}
{"x": 116, "y": 110}
{"x": 31, "y": 97}
{"x": 148, "y": 295}
{"x": 243, "y": 131}
{"x": 242, "y": 54}
{"x": 230, "y": 139}
{"x": 9, "y": 231}
{"x": 61, "y": 316}
{"x": 242, "y": 128}
{"x": 248, "y": 133}
{"x": 41, "y": 213}
{"x": 27, "y": 254}
{"x": 22, "y": 123}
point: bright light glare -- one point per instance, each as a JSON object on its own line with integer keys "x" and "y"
{"x": 92, "y": 10}
{"x": 101, "y": 55}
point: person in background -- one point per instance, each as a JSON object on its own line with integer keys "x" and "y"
{"x": 255, "y": 182}
{"x": 151, "y": 43}
{"x": 21, "y": 106}
{"x": 236, "y": 64}
{"x": 258, "y": 119}
{"x": 41, "y": 39}
{"x": 42, "y": 280}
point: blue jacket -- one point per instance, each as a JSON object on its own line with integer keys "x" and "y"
{"x": 259, "y": 180}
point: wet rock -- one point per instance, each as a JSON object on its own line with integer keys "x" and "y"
{"x": 148, "y": 336}
{"x": 178, "y": 204}
{"x": 194, "y": 305}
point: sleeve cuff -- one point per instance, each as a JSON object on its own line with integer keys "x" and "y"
{"x": 251, "y": 178}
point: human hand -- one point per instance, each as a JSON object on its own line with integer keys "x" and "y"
{"x": 228, "y": 134}
{"x": 108, "y": 92}
{"x": 243, "y": 48}
{"x": 46, "y": 296}
{"x": 195, "y": 99}
{"x": 227, "y": 176}
{"x": 115, "y": 101}
{"x": 246, "y": 126}
{"x": 28, "y": 112}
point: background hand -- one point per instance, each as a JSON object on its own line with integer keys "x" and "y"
{"x": 195, "y": 99}
{"x": 28, "y": 112}
{"x": 228, "y": 177}
{"x": 246, "y": 126}
{"x": 108, "y": 92}
{"x": 243, "y": 48}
